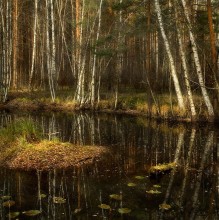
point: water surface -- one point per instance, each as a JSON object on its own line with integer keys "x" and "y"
{"x": 135, "y": 145}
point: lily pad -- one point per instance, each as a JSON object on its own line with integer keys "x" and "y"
{"x": 59, "y": 200}
{"x": 156, "y": 186}
{"x": 42, "y": 196}
{"x": 5, "y": 198}
{"x": 164, "y": 206}
{"x": 104, "y": 206}
{"x": 131, "y": 184}
{"x": 139, "y": 177}
{"x": 124, "y": 210}
{"x": 13, "y": 215}
{"x": 153, "y": 192}
{"x": 163, "y": 167}
{"x": 116, "y": 197}
{"x": 8, "y": 203}
{"x": 31, "y": 212}
{"x": 76, "y": 211}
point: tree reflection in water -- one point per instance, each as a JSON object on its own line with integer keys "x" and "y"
{"x": 135, "y": 145}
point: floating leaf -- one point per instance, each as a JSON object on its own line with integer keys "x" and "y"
{"x": 164, "y": 206}
{"x": 156, "y": 186}
{"x": 8, "y": 203}
{"x": 124, "y": 210}
{"x": 139, "y": 177}
{"x": 59, "y": 200}
{"x": 153, "y": 191}
{"x": 42, "y": 196}
{"x": 31, "y": 212}
{"x": 163, "y": 167}
{"x": 116, "y": 197}
{"x": 6, "y": 198}
{"x": 77, "y": 211}
{"x": 13, "y": 215}
{"x": 104, "y": 206}
{"x": 131, "y": 184}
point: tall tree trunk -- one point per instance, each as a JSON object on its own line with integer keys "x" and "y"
{"x": 170, "y": 57}
{"x": 213, "y": 52}
{"x": 197, "y": 63}
{"x": 212, "y": 35}
{"x": 93, "y": 77}
{"x": 119, "y": 59}
{"x": 34, "y": 43}
{"x": 49, "y": 51}
{"x": 184, "y": 64}
{"x": 15, "y": 43}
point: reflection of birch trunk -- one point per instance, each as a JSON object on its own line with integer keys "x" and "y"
{"x": 207, "y": 150}
{"x": 176, "y": 159}
{"x": 52, "y": 128}
{"x": 39, "y": 189}
{"x": 92, "y": 129}
{"x": 191, "y": 143}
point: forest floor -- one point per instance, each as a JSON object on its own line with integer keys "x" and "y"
{"x": 161, "y": 106}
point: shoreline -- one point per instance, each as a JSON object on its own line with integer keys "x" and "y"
{"x": 34, "y": 104}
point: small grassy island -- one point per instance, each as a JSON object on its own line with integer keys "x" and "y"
{"x": 23, "y": 147}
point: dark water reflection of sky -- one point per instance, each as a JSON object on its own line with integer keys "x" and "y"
{"x": 135, "y": 145}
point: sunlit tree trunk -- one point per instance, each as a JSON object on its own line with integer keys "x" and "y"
{"x": 6, "y": 44}
{"x": 93, "y": 77}
{"x": 50, "y": 52}
{"x": 184, "y": 64}
{"x": 197, "y": 63}
{"x": 34, "y": 43}
{"x": 170, "y": 57}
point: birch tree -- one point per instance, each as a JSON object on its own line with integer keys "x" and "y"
{"x": 197, "y": 62}
{"x": 34, "y": 42}
{"x": 50, "y": 51}
{"x": 6, "y": 58}
{"x": 170, "y": 57}
{"x": 93, "y": 77}
{"x": 15, "y": 44}
{"x": 184, "y": 64}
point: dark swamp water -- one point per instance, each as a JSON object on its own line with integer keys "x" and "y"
{"x": 135, "y": 144}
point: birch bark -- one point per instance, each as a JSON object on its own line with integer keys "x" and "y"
{"x": 93, "y": 78}
{"x": 184, "y": 64}
{"x": 170, "y": 57}
{"x": 197, "y": 63}
{"x": 34, "y": 44}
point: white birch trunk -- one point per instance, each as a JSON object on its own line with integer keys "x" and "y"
{"x": 53, "y": 52}
{"x": 93, "y": 77}
{"x": 170, "y": 57}
{"x": 34, "y": 43}
{"x": 197, "y": 63}
{"x": 184, "y": 65}
{"x": 50, "y": 52}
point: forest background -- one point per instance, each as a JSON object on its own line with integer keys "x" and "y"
{"x": 154, "y": 57}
